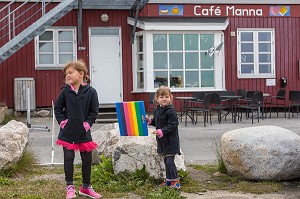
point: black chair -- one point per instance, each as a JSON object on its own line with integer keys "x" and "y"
{"x": 294, "y": 98}
{"x": 218, "y": 105}
{"x": 277, "y": 100}
{"x": 199, "y": 95}
{"x": 254, "y": 104}
{"x": 202, "y": 107}
{"x": 243, "y": 94}
{"x": 224, "y": 93}
{"x": 151, "y": 103}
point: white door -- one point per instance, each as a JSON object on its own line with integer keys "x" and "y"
{"x": 105, "y": 67}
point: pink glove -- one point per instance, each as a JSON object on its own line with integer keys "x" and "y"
{"x": 160, "y": 134}
{"x": 86, "y": 126}
{"x": 63, "y": 123}
{"x": 148, "y": 120}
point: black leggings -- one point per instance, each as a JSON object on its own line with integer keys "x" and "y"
{"x": 86, "y": 158}
{"x": 171, "y": 170}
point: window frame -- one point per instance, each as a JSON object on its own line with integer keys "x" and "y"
{"x": 256, "y": 53}
{"x": 55, "y": 65}
{"x": 219, "y": 63}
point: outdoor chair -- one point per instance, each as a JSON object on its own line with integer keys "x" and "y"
{"x": 294, "y": 98}
{"x": 278, "y": 100}
{"x": 218, "y": 105}
{"x": 200, "y": 97}
{"x": 254, "y": 104}
{"x": 151, "y": 103}
{"x": 202, "y": 107}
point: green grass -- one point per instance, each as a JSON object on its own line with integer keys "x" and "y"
{"x": 26, "y": 180}
{"x": 7, "y": 119}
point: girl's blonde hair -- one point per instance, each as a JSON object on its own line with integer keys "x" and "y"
{"x": 78, "y": 65}
{"x": 163, "y": 90}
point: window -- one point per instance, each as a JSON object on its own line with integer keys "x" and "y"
{"x": 54, "y": 48}
{"x": 256, "y": 53}
{"x": 181, "y": 60}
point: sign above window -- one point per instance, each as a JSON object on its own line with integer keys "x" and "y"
{"x": 221, "y": 10}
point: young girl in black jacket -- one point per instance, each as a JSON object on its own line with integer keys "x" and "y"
{"x": 76, "y": 109}
{"x": 166, "y": 123}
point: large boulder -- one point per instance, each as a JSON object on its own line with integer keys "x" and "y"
{"x": 131, "y": 152}
{"x": 13, "y": 139}
{"x": 262, "y": 153}
{"x": 106, "y": 137}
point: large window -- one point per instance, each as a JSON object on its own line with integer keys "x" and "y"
{"x": 256, "y": 53}
{"x": 54, "y": 48}
{"x": 189, "y": 60}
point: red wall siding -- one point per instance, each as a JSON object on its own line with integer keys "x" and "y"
{"x": 287, "y": 53}
{"x": 49, "y": 82}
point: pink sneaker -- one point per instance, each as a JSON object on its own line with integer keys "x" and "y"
{"x": 70, "y": 192}
{"x": 89, "y": 192}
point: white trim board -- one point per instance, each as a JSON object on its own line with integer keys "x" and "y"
{"x": 165, "y": 25}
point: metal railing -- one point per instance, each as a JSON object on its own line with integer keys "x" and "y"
{"x": 9, "y": 23}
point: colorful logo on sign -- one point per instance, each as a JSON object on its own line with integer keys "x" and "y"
{"x": 280, "y": 11}
{"x": 171, "y": 10}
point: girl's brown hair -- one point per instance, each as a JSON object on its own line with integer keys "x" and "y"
{"x": 163, "y": 90}
{"x": 78, "y": 65}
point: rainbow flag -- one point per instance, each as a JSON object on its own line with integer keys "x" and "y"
{"x": 132, "y": 118}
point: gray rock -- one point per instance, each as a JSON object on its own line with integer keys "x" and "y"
{"x": 132, "y": 152}
{"x": 13, "y": 139}
{"x": 262, "y": 153}
{"x": 43, "y": 113}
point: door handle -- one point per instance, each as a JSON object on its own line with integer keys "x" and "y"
{"x": 93, "y": 69}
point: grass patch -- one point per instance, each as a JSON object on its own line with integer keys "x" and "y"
{"x": 25, "y": 164}
{"x": 7, "y": 119}
{"x": 25, "y": 180}
{"x": 230, "y": 183}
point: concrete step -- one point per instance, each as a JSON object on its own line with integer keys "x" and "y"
{"x": 107, "y": 120}
{"x": 107, "y": 114}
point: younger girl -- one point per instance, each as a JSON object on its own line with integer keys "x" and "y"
{"x": 76, "y": 109}
{"x": 166, "y": 123}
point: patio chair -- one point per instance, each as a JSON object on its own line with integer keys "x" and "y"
{"x": 218, "y": 105}
{"x": 277, "y": 100}
{"x": 199, "y": 95}
{"x": 202, "y": 107}
{"x": 294, "y": 98}
{"x": 254, "y": 104}
{"x": 151, "y": 103}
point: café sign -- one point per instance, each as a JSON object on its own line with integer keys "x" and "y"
{"x": 229, "y": 11}
{"x": 224, "y": 10}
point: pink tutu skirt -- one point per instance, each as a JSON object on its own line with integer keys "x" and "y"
{"x": 82, "y": 147}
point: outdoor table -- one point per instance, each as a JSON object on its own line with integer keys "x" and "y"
{"x": 232, "y": 105}
{"x": 184, "y": 107}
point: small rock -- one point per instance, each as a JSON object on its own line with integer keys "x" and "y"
{"x": 43, "y": 113}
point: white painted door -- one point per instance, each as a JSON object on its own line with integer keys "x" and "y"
{"x": 106, "y": 70}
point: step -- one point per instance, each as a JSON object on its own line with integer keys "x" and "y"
{"x": 107, "y": 113}
{"x": 107, "y": 120}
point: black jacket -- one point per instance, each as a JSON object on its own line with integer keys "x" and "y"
{"x": 77, "y": 108}
{"x": 165, "y": 118}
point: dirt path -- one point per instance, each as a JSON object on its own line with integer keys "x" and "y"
{"x": 228, "y": 195}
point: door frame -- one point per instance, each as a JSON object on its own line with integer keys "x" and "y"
{"x": 120, "y": 60}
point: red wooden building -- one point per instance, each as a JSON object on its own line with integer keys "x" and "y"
{"x": 188, "y": 45}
